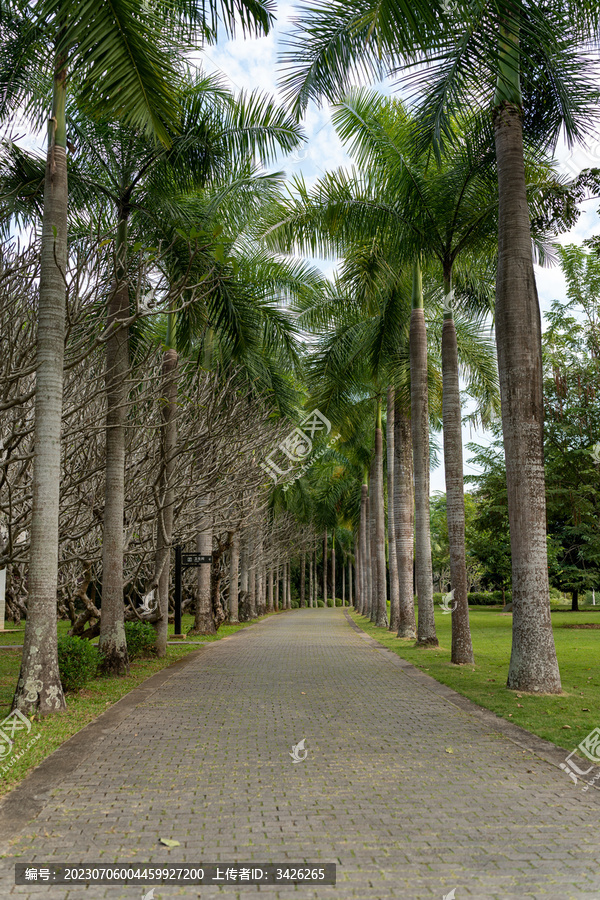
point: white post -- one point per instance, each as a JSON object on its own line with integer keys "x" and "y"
{"x": 593, "y": 597}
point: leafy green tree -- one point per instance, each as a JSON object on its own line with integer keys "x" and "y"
{"x": 572, "y": 424}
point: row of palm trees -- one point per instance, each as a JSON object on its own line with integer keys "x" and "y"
{"x": 159, "y": 156}
{"x": 524, "y": 68}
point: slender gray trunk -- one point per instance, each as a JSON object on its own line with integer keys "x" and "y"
{"x": 333, "y": 585}
{"x": 310, "y": 580}
{"x": 533, "y": 663}
{"x": 39, "y": 687}
{"x": 270, "y": 588}
{"x": 167, "y": 496}
{"x": 462, "y": 648}
{"x": 404, "y": 523}
{"x": 343, "y": 584}
{"x": 234, "y": 575}
{"x": 373, "y": 557}
{"x": 277, "y": 587}
{"x": 303, "y": 579}
{"x": 350, "y": 597}
{"x": 325, "y": 568}
{"x": 393, "y": 562}
{"x": 112, "y": 643}
{"x": 368, "y": 571}
{"x": 381, "y": 618}
{"x": 204, "y": 622}
{"x": 426, "y": 635}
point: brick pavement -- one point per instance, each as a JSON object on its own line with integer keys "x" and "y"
{"x": 204, "y": 759}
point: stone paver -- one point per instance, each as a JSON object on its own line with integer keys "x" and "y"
{"x": 204, "y": 759}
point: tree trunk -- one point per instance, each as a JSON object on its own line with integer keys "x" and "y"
{"x": 381, "y": 618}
{"x": 575, "y": 601}
{"x": 462, "y": 647}
{"x": 204, "y": 622}
{"x": 112, "y": 643}
{"x": 426, "y": 635}
{"x": 368, "y": 580}
{"x": 243, "y": 599}
{"x": 356, "y": 567}
{"x": 303, "y": 579}
{"x": 167, "y": 495}
{"x": 277, "y": 587}
{"x": 404, "y": 523}
{"x": 289, "y": 584}
{"x": 343, "y": 583}
{"x": 234, "y": 575}
{"x": 270, "y": 607}
{"x": 39, "y": 687}
{"x": 533, "y": 663}
{"x": 325, "y": 569}
{"x": 372, "y": 542}
{"x": 310, "y": 580}
{"x": 333, "y": 569}
{"x": 364, "y": 564}
{"x": 252, "y": 554}
{"x": 350, "y": 595}
{"x": 392, "y": 553}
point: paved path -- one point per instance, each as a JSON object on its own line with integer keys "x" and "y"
{"x": 204, "y": 758}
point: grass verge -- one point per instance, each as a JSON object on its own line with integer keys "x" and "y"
{"x": 565, "y": 719}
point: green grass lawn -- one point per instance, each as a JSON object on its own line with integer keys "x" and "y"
{"x": 578, "y": 651}
{"x": 83, "y": 707}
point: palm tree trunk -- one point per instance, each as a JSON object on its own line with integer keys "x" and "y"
{"x": 277, "y": 587}
{"x": 343, "y": 583}
{"x": 426, "y": 635}
{"x": 462, "y": 647}
{"x": 381, "y": 617}
{"x": 112, "y": 643}
{"x": 364, "y": 503}
{"x": 204, "y": 622}
{"x": 533, "y": 663}
{"x": 289, "y": 584}
{"x": 404, "y": 522}
{"x": 357, "y": 567}
{"x": 303, "y": 579}
{"x": 167, "y": 495}
{"x": 373, "y": 560}
{"x": 310, "y": 580}
{"x": 333, "y": 568}
{"x": 39, "y": 687}
{"x": 350, "y": 597}
{"x": 393, "y": 561}
{"x": 234, "y": 575}
{"x": 325, "y": 568}
{"x": 368, "y": 569}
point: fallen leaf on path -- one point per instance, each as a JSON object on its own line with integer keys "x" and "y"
{"x": 169, "y": 843}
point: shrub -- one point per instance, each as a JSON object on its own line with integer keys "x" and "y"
{"x": 487, "y": 598}
{"x": 320, "y": 603}
{"x": 78, "y": 662}
{"x": 141, "y": 639}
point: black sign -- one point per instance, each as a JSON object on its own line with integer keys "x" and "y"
{"x": 194, "y": 559}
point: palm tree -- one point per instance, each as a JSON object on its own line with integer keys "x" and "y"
{"x": 525, "y": 56}
{"x": 124, "y": 58}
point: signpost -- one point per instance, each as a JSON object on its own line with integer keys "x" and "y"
{"x": 184, "y": 561}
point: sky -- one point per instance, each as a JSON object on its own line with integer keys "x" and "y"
{"x": 252, "y": 64}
